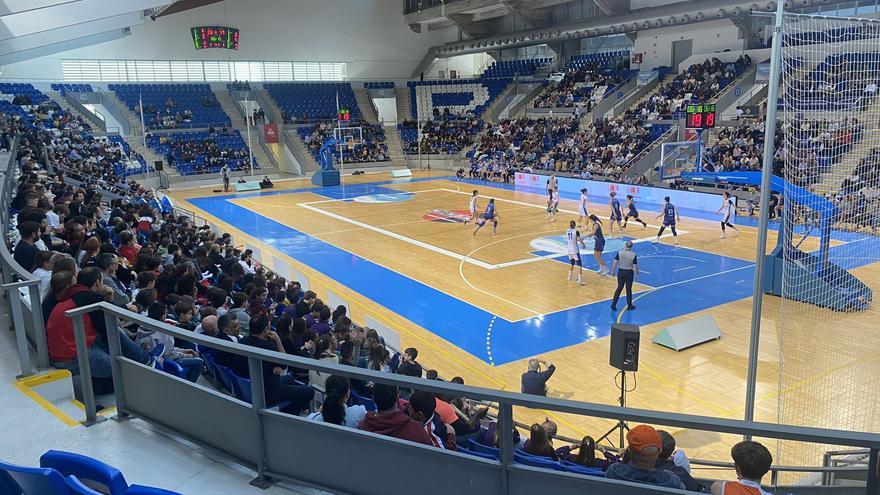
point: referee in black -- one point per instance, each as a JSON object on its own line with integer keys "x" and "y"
{"x": 627, "y": 266}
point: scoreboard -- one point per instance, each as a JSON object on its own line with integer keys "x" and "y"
{"x": 700, "y": 116}
{"x": 215, "y": 37}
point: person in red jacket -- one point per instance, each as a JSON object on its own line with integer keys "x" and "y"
{"x": 59, "y": 329}
{"x": 390, "y": 420}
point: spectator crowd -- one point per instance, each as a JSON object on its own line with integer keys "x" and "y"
{"x": 579, "y": 87}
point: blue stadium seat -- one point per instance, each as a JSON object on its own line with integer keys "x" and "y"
{"x": 483, "y": 449}
{"x": 146, "y": 490}
{"x": 536, "y": 461}
{"x": 367, "y": 402}
{"x": 78, "y": 488}
{"x": 85, "y": 468}
{"x": 36, "y": 481}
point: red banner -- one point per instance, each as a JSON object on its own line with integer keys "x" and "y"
{"x": 270, "y": 133}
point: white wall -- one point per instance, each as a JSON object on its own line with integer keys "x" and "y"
{"x": 709, "y": 37}
{"x": 467, "y": 66}
{"x": 370, "y": 35}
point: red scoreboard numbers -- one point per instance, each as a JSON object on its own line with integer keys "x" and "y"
{"x": 700, "y": 116}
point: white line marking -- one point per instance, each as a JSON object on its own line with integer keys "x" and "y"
{"x": 403, "y": 238}
{"x": 685, "y": 268}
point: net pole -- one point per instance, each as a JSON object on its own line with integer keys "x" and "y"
{"x": 764, "y": 214}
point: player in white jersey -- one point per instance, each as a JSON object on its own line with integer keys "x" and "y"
{"x": 574, "y": 254}
{"x": 582, "y": 206}
{"x": 553, "y": 205}
{"x": 728, "y": 213}
{"x": 473, "y": 207}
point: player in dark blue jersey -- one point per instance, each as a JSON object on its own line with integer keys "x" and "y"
{"x": 670, "y": 217}
{"x": 632, "y": 212}
{"x": 599, "y": 245}
{"x": 616, "y": 215}
{"x": 490, "y": 215}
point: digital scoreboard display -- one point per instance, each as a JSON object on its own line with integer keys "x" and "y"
{"x": 700, "y": 116}
{"x": 344, "y": 115}
{"x": 215, "y": 37}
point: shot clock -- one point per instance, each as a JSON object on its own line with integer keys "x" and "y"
{"x": 700, "y": 116}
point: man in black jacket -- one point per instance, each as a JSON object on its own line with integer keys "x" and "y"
{"x": 534, "y": 381}
{"x": 408, "y": 364}
{"x": 664, "y": 462}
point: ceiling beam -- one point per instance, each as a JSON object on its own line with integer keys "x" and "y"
{"x": 78, "y": 31}
{"x": 67, "y": 14}
{"x": 183, "y": 6}
{"x": 64, "y": 46}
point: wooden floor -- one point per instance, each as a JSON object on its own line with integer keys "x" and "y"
{"x": 709, "y": 379}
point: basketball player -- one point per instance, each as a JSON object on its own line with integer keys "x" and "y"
{"x": 632, "y": 212}
{"x": 599, "y": 245}
{"x": 553, "y": 205}
{"x": 489, "y": 216}
{"x": 473, "y": 207}
{"x": 670, "y": 216}
{"x": 616, "y": 216}
{"x": 551, "y": 185}
{"x": 728, "y": 213}
{"x": 574, "y": 253}
{"x": 582, "y": 206}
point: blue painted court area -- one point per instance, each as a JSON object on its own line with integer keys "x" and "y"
{"x": 683, "y": 281}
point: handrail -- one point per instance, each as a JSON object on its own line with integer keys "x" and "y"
{"x": 720, "y": 425}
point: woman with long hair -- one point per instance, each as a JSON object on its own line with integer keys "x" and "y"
{"x": 539, "y": 442}
{"x": 324, "y": 351}
{"x": 334, "y": 409}
{"x": 598, "y": 244}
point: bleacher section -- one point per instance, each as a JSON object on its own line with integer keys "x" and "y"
{"x": 442, "y": 136}
{"x": 202, "y": 153}
{"x": 698, "y": 83}
{"x": 459, "y": 96}
{"x": 606, "y": 60}
{"x": 373, "y": 148}
{"x": 837, "y": 83}
{"x": 73, "y": 88}
{"x": 306, "y": 102}
{"x": 379, "y": 85}
{"x": 512, "y": 68}
{"x": 195, "y": 98}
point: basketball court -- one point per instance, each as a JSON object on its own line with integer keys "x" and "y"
{"x": 479, "y": 306}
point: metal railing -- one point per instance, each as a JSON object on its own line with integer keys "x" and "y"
{"x": 263, "y": 438}
{"x": 20, "y": 287}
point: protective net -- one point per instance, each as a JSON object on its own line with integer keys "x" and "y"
{"x": 829, "y": 154}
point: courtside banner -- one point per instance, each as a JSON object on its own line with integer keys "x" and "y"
{"x": 646, "y": 194}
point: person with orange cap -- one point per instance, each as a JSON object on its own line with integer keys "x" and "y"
{"x": 643, "y": 447}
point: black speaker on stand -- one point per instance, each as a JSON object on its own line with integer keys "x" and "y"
{"x": 624, "y": 355}
{"x": 158, "y": 165}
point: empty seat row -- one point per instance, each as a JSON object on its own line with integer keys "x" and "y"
{"x": 66, "y": 473}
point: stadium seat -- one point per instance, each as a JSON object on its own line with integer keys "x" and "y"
{"x": 241, "y": 387}
{"x": 85, "y": 468}
{"x": 77, "y": 487}
{"x": 171, "y": 367}
{"x": 536, "y": 461}
{"x": 367, "y": 402}
{"x": 577, "y": 468}
{"x": 36, "y": 481}
{"x": 147, "y": 490}
{"x": 483, "y": 449}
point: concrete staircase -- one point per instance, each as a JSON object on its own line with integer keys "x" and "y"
{"x": 137, "y": 144}
{"x": 832, "y": 179}
{"x": 59, "y": 98}
{"x": 134, "y": 120}
{"x": 404, "y": 103}
{"x": 273, "y": 109}
{"x": 231, "y": 108}
{"x": 499, "y": 103}
{"x": 395, "y": 145}
{"x": 303, "y": 155}
{"x": 365, "y": 103}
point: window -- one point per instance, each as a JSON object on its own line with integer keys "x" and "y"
{"x": 199, "y": 71}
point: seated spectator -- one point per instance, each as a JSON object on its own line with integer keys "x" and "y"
{"x": 61, "y": 341}
{"x": 59, "y": 283}
{"x": 325, "y": 351}
{"x": 665, "y": 462}
{"x": 279, "y": 387}
{"x": 390, "y": 420}
{"x": 334, "y": 409}
{"x": 422, "y": 408}
{"x": 539, "y": 443}
{"x": 108, "y": 265}
{"x": 25, "y": 252}
{"x": 586, "y": 454}
{"x": 752, "y": 461}
{"x": 43, "y": 263}
{"x": 643, "y": 446}
{"x": 266, "y": 183}
{"x": 408, "y": 365}
{"x": 149, "y": 339}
